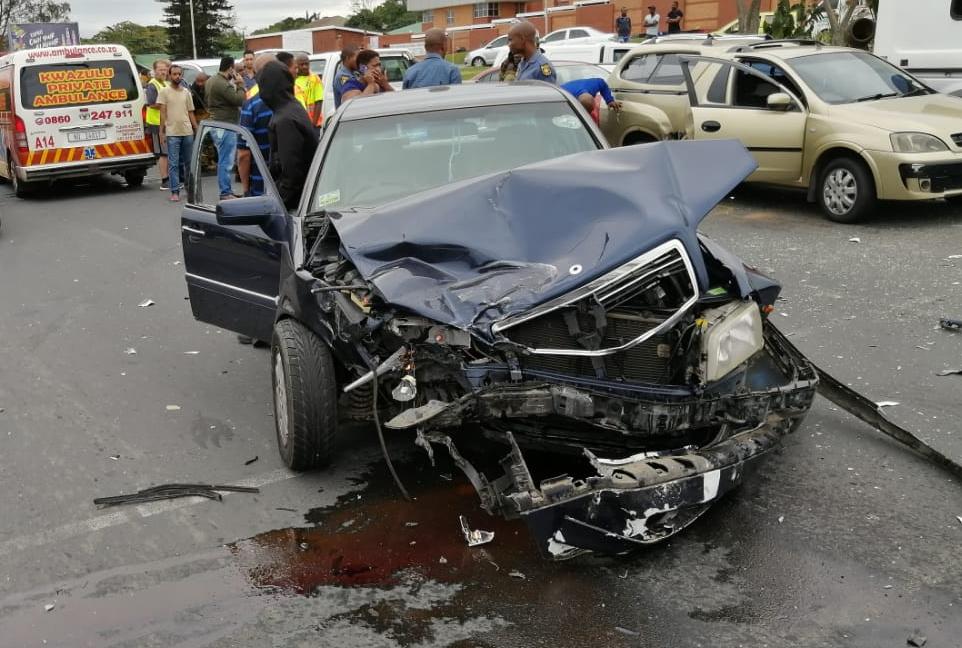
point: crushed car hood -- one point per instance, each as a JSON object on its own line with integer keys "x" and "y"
{"x": 472, "y": 253}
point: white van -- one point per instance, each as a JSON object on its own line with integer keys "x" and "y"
{"x": 71, "y": 111}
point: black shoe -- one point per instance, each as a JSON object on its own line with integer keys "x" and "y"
{"x": 260, "y": 344}
{"x": 165, "y": 184}
{"x": 243, "y": 339}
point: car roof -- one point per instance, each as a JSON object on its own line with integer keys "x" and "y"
{"x": 451, "y": 97}
{"x": 784, "y": 50}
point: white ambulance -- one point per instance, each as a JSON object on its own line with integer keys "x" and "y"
{"x": 71, "y": 111}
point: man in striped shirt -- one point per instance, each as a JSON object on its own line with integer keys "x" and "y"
{"x": 255, "y": 116}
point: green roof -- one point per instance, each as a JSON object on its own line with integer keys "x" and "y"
{"x": 413, "y": 28}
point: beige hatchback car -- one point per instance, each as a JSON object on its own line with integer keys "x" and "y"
{"x": 846, "y": 125}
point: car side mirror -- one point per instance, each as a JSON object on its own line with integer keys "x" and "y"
{"x": 256, "y": 210}
{"x": 779, "y": 101}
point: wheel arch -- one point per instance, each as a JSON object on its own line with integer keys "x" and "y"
{"x": 835, "y": 152}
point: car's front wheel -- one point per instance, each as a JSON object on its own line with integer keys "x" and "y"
{"x": 305, "y": 396}
{"x": 478, "y": 61}
{"x": 846, "y": 191}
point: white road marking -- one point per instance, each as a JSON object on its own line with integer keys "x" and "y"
{"x": 107, "y": 520}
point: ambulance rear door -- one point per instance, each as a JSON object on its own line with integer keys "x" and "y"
{"x": 83, "y": 106}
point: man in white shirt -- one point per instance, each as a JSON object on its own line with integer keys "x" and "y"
{"x": 652, "y": 21}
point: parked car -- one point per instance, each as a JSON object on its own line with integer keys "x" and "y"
{"x": 473, "y": 264}
{"x": 193, "y": 67}
{"x": 842, "y": 123}
{"x": 566, "y": 71}
{"x": 574, "y": 35}
{"x": 605, "y": 54}
{"x": 394, "y": 62}
{"x": 486, "y": 54}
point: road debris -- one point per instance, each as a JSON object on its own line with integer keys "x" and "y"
{"x": 284, "y": 508}
{"x": 442, "y": 560}
{"x": 191, "y": 352}
{"x": 626, "y": 631}
{"x": 886, "y": 403}
{"x": 959, "y": 518}
{"x": 855, "y": 239}
{"x": 115, "y": 457}
{"x": 147, "y": 303}
{"x": 249, "y": 461}
{"x": 950, "y": 372}
{"x": 514, "y": 573}
{"x": 887, "y": 587}
{"x": 475, "y": 537}
{"x": 172, "y": 491}
{"x": 49, "y": 606}
{"x": 411, "y": 524}
{"x": 950, "y": 324}
{"x": 781, "y": 518}
{"x": 917, "y": 639}
{"x": 130, "y": 351}
{"x": 173, "y": 408}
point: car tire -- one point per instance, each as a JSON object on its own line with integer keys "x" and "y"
{"x": 305, "y": 396}
{"x": 955, "y": 201}
{"x": 638, "y": 138}
{"x": 846, "y": 191}
{"x": 135, "y": 178}
{"x": 478, "y": 61}
{"x": 20, "y": 188}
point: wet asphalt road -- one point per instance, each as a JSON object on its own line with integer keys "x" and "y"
{"x": 843, "y": 539}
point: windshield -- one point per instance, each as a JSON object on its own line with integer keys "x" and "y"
{"x": 405, "y": 154}
{"x": 60, "y": 85}
{"x": 847, "y": 77}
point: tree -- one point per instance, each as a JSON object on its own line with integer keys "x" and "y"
{"x": 213, "y": 26}
{"x": 842, "y": 14}
{"x": 287, "y": 24}
{"x": 137, "y": 38}
{"x": 749, "y": 15}
{"x": 39, "y": 11}
{"x": 792, "y": 20}
{"x": 384, "y": 17}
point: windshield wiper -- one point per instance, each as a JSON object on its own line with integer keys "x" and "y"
{"x": 875, "y": 97}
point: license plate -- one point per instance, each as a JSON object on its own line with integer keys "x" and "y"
{"x": 87, "y": 136}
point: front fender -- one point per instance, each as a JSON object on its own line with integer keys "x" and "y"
{"x": 634, "y": 118}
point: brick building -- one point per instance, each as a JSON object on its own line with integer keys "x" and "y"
{"x": 329, "y": 38}
{"x": 472, "y": 24}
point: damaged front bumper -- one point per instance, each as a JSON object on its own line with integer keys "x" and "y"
{"x": 647, "y": 497}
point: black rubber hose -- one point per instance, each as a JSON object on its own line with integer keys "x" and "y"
{"x": 380, "y": 436}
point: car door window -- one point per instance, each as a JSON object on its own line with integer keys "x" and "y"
{"x": 498, "y": 42}
{"x": 394, "y": 67}
{"x": 640, "y": 67}
{"x": 776, "y": 73}
{"x": 243, "y": 174}
{"x": 724, "y": 85}
{"x": 577, "y": 33}
{"x": 551, "y": 38}
{"x": 668, "y": 72}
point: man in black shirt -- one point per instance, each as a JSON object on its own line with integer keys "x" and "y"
{"x": 674, "y": 19}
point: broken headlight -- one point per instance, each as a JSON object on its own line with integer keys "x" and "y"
{"x": 731, "y": 335}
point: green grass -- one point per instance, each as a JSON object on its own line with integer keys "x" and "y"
{"x": 457, "y": 58}
{"x": 468, "y": 72}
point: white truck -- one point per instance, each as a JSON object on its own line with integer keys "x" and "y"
{"x": 923, "y": 37}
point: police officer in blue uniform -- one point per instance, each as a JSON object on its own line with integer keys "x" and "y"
{"x": 522, "y": 39}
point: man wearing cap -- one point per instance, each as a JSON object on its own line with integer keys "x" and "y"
{"x": 652, "y": 21}
{"x": 534, "y": 65}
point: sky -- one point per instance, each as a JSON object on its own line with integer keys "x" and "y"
{"x": 94, "y": 15}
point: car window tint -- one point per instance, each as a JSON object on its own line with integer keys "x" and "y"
{"x": 616, "y": 55}
{"x": 718, "y": 88}
{"x": 640, "y": 68}
{"x": 752, "y": 91}
{"x": 498, "y": 42}
{"x": 668, "y": 71}
{"x": 394, "y": 67}
{"x": 777, "y": 74}
{"x": 406, "y": 154}
{"x": 551, "y": 38}
{"x": 577, "y": 33}
{"x": 205, "y": 188}
{"x": 317, "y": 67}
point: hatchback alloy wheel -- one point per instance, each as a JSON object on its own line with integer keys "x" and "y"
{"x": 841, "y": 191}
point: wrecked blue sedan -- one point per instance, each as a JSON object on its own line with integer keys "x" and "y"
{"x": 476, "y": 267}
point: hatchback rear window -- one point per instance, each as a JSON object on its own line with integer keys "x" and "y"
{"x": 62, "y": 85}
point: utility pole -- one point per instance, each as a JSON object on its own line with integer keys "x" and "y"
{"x": 193, "y": 31}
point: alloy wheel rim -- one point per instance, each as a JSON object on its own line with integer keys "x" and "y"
{"x": 280, "y": 400}
{"x": 840, "y": 191}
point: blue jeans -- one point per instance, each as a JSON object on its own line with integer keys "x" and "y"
{"x": 178, "y": 153}
{"x": 226, "y": 144}
{"x": 624, "y": 39}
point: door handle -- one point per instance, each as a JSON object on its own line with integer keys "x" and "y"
{"x": 710, "y": 126}
{"x": 191, "y": 230}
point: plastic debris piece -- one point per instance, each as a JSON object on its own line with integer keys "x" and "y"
{"x": 950, "y": 372}
{"x": 191, "y": 352}
{"x": 173, "y": 491}
{"x": 950, "y": 324}
{"x": 475, "y": 537}
{"x": 626, "y": 631}
{"x": 304, "y": 546}
{"x": 147, "y": 303}
{"x": 514, "y": 573}
{"x": 886, "y": 403}
{"x": 115, "y": 457}
{"x": 442, "y": 560}
{"x": 250, "y": 461}
{"x": 954, "y": 256}
{"x": 917, "y": 639}
{"x": 855, "y": 239}
{"x": 411, "y": 524}
{"x": 130, "y": 351}
{"x": 959, "y": 518}
{"x": 49, "y": 606}
{"x": 781, "y": 518}
{"x": 173, "y": 408}
{"x": 887, "y": 587}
